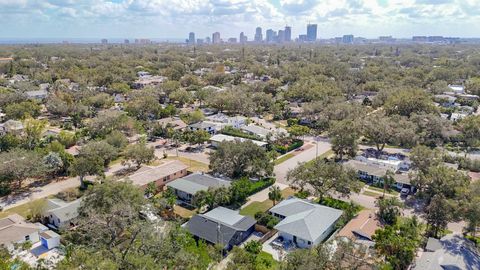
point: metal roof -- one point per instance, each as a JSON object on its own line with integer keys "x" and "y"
{"x": 195, "y": 182}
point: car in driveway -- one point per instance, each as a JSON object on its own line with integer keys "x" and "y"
{"x": 404, "y": 192}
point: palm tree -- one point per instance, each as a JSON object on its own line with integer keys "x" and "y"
{"x": 388, "y": 181}
{"x": 275, "y": 194}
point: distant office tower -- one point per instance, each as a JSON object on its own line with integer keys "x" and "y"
{"x": 191, "y": 38}
{"x": 243, "y": 38}
{"x": 126, "y": 41}
{"x": 104, "y": 41}
{"x": 258, "y": 35}
{"x": 386, "y": 39}
{"x": 347, "y": 39}
{"x": 281, "y": 36}
{"x": 216, "y": 38}
{"x": 199, "y": 41}
{"x": 271, "y": 36}
{"x": 207, "y": 40}
{"x": 311, "y": 32}
{"x": 302, "y": 38}
{"x": 232, "y": 40}
{"x": 288, "y": 33}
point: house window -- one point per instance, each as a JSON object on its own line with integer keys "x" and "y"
{"x": 58, "y": 220}
{"x": 27, "y": 237}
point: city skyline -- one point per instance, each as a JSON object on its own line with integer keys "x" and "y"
{"x": 173, "y": 19}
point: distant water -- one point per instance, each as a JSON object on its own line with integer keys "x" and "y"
{"x": 80, "y": 40}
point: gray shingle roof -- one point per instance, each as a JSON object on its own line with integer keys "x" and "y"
{"x": 304, "y": 219}
{"x": 210, "y": 228}
{"x": 68, "y": 211}
{"x": 195, "y": 182}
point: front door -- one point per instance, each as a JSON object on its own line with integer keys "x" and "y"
{"x": 295, "y": 239}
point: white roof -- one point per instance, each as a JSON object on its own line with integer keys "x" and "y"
{"x": 221, "y": 138}
{"x": 225, "y": 215}
{"x": 304, "y": 219}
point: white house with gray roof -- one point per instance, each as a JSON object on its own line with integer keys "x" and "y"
{"x": 60, "y": 214}
{"x": 221, "y": 226}
{"x": 303, "y": 223}
{"x": 186, "y": 187}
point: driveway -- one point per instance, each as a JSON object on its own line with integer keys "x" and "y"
{"x": 282, "y": 169}
{"x": 263, "y": 194}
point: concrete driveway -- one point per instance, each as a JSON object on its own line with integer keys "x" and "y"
{"x": 282, "y": 169}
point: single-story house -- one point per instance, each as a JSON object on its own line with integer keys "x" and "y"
{"x": 15, "y": 230}
{"x": 60, "y": 214}
{"x": 257, "y": 130}
{"x": 452, "y": 251}
{"x": 457, "y": 89}
{"x": 160, "y": 175}
{"x": 49, "y": 239}
{"x": 457, "y": 116}
{"x": 215, "y": 140}
{"x": 208, "y": 126}
{"x": 221, "y": 226}
{"x": 74, "y": 150}
{"x": 186, "y": 187}
{"x": 37, "y": 94}
{"x": 361, "y": 228}
{"x": 233, "y": 121}
{"x": 304, "y": 223}
{"x": 374, "y": 173}
{"x": 174, "y": 122}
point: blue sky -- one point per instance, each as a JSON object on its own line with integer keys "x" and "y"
{"x": 175, "y": 18}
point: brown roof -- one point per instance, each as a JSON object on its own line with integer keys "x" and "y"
{"x": 363, "y": 225}
{"x": 145, "y": 176}
{"x": 175, "y": 123}
{"x": 474, "y": 176}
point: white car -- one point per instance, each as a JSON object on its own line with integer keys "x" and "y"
{"x": 405, "y": 192}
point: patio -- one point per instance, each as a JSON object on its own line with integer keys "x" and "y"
{"x": 277, "y": 247}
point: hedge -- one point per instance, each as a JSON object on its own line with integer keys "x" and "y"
{"x": 238, "y": 133}
{"x": 282, "y": 149}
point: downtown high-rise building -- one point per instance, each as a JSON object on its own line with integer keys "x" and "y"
{"x": 281, "y": 36}
{"x": 216, "y": 38}
{"x": 271, "y": 36}
{"x": 243, "y": 39}
{"x": 191, "y": 38}
{"x": 311, "y": 32}
{"x": 288, "y": 33}
{"x": 347, "y": 39}
{"x": 258, "y": 35}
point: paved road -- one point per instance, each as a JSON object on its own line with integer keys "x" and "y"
{"x": 282, "y": 169}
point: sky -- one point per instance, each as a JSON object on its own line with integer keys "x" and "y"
{"x": 176, "y": 18}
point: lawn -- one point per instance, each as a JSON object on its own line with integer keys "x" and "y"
{"x": 183, "y": 212}
{"x": 284, "y": 158}
{"x": 266, "y": 260}
{"x": 23, "y": 209}
{"x": 255, "y": 207}
{"x": 327, "y": 154}
{"x": 391, "y": 191}
{"x": 193, "y": 165}
{"x": 372, "y": 194}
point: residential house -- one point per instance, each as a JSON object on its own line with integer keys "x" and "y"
{"x": 452, "y": 251}
{"x": 186, "y": 187}
{"x": 119, "y": 98}
{"x": 258, "y": 131}
{"x": 146, "y": 79}
{"x": 457, "y": 116}
{"x": 160, "y": 175}
{"x": 215, "y": 140}
{"x": 457, "y": 89}
{"x": 221, "y": 226}
{"x": 361, "y": 228}
{"x": 174, "y": 122}
{"x": 233, "y": 121}
{"x": 210, "y": 127}
{"x": 304, "y": 223}
{"x": 60, "y": 214}
{"x": 49, "y": 239}
{"x": 37, "y": 94}
{"x": 12, "y": 127}
{"x": 15, "y": 230}
{"x": 374, "y": 173}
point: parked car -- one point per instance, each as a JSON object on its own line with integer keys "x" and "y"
{"x": 404, "y": 192}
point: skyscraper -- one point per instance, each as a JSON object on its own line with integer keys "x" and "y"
{"x": 258, "y": 35}
{"x": 271, "y": 35}
{"x": 243, "y": 39}
{"x": 281, "y": 36}
{"x": 288, "y": 33}
{"x": 191, "y": 38}
{"x": 207, "y": 40}
{"x": 311, "y": 32}
{"x": 347, "y": 39}
{"x": 216, "y": 38}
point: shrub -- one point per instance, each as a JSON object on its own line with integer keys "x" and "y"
{"x": 302, "y": 194}
{"x": 283, "y": 149}
{"x": 238, "y": 133}
{"x": 267, "y": 220}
